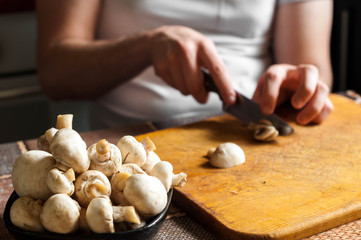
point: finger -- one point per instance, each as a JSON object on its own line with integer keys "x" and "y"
{"x": 308, "y": 77}
{"x": 314, "y": 106}
{"x": 192, "y": 75}
{"x": 257, "y": 93}
{"x": 326, "y": 111}
{"x": 209, "y": 58}
{"x": 275, "y": 75}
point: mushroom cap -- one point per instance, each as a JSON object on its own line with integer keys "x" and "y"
{"x": 227, "y": 155}
{"x": 146, "y": 193}
{"x": 29, "y": 174}
{"x": 109, "y": 166}
{"x": 69, "y": 149}
{"x": 25, "y": 214}
{"x": 99, "y": 215}
{"x": 152, "y": 160}
{"x": 60, "y": 214}
{"x": 164, "y": 172}
{"x": 132, "y": 151}
{"x": 61, "y": 181}
{"x": 45, "y": 140}
{"x": 89, "y": 185}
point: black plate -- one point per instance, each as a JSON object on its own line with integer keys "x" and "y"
{"x": 146, "y": 232}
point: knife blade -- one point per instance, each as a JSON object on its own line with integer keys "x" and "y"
{"x": 246, "y": 109}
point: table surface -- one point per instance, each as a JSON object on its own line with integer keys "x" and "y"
{"x": 178, "y": 224}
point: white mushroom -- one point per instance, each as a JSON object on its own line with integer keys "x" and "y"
{"x": 132, "y": 151}
{"x": 60, "y": 181}
{"x": 60, "y": 214}
{"x": 263, "y": 130}
{"x": 152, "y": 157}
{"x": 164, "y": 172}
{"x": 69, "y": 149}
{"x": 146, "y": 193}
{"x": 45, "y": 140}
{"x": 118, "y": 182}
{"x": 25, "y": 214}
{"x": 29, "y": 174}
{"x": 101, "y": 215}
{"x": 89, "y": 185}
{"x": 105, "y": 157}
{"x": 227, "y": 155}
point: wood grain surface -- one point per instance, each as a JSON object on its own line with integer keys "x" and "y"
{"x": 292, "y": 188}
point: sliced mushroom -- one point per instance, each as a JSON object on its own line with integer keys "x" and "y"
{"x": 132, "y": 151}
{"x": 25, "y": 214}
{"x": 164, "y": 172}
{"x": 264, "y": 130}
{"x": 152, "y": 157}
{"x": 60, "y": 214}
{"x": 69, "y": 149}
{"x": 227, "y": 155}
{"x": 105, "y": 157}
{"x": 89, "y": 185}
{"x": 146, "y": 193}
{"x": 60, "y": 181}
{"x": 29, "y": 174}
{"x": 101, "y": 215}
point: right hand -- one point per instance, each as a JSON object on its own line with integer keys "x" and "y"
{"x": 178, "y": 54}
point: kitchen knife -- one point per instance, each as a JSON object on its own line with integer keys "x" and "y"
{"x": 247, "y": 110}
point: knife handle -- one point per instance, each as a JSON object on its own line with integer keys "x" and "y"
{"x": 209, "y": 83}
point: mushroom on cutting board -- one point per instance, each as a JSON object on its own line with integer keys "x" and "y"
{"x": 132, "y": 151}
{"x": 89, "y": 185}
{"x": 164, "y": 172}
{"x": 60, "y": 214}
{"x": 263, "y": 130}
{"x": 152, "y": 157}
{"x": 29, "y": 174}
{"x": 146, "y": 193}
{"x": 25, "y": 214}
{"x": 60, "y": 181}
{"x": 226, "y": 155}
{"x": 105, "y": 157}
{"x": 69, "y": 149}
{"x": 101, "y": 215}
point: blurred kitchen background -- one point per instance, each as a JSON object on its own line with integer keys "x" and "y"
{"x": 26, "y": 113}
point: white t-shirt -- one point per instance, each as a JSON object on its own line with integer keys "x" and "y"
{"x": 240, "y": 29}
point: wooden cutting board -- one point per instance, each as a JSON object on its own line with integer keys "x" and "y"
{"x": 292, "y": 188}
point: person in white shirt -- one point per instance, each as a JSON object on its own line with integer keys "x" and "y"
{"x": 142, "y": 60}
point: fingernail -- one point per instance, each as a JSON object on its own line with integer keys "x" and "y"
{"x": 231, "y": 98}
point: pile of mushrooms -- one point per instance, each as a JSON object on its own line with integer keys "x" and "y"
{"x": 65, "y": 187}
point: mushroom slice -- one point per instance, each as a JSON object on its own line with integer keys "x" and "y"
{"x": 89, "y": 185}
{"x": 29, "y": 174}
{"x": 60, "y": 214}
{"x": 105, "y": 157}
{"x": 164, "y": 172}
{"x": 152, "y": 157}
{"x": 132, "y": 151}
{"x": 25, "y": 214}
{"x": 60, "y": 181}
{"x": 69, "y": 149}
{"x": 146, "y": 193}
{"x": 101, "y": 215}
{"x": 227, "y": 155}
{"x": 45, "y": 140}
{"x": 263, "y": 130}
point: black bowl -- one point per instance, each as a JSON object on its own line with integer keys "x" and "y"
{"x": 146, "y": 232}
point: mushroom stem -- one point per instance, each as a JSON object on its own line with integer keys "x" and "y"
{"x": 102, "y": 149}
{"x": 125, "y": 214}
{"x": 148, "y": 144}
{"x": 95, "y": 188}
{"x": 64, "y": 121}
{"x": 179, "y": 180}
{"x": 120, "y": 179}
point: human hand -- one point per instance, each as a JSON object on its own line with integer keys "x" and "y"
{"x": 299, "y": 84}
{"x": 179, "y": 53}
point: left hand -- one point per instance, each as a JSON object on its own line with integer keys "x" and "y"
{"x": 299, "y": 84}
